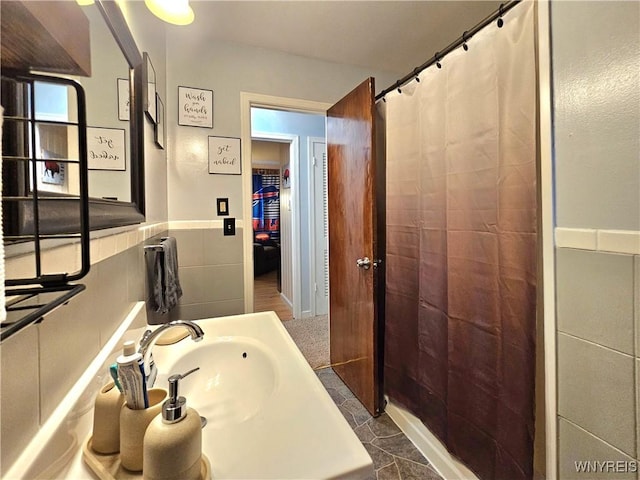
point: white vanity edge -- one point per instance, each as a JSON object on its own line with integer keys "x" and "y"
{"x": 22, "y": 466}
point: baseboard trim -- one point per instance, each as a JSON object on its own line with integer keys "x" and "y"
{"x": 449, "y": 467}
{"x": 286, "y": 300}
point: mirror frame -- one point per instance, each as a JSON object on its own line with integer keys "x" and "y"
{"x": 111, "y": 213}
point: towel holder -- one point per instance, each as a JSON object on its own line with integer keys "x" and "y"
{"x": 155, "y": 248}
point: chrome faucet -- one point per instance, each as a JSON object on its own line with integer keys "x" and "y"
{"x": 149, "y": 339}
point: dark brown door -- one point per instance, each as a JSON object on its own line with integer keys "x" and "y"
{"x": 354, "y": 271}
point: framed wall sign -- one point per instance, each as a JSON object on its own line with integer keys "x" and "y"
{"x": 195, "y": 107}
{"x": 286, "y": 176}
{"x": 50, "y": 171}
{"x": 106, "y": 148}
{"x": 224, "y": 156}
{"x": 123, "y": 99}
{"x": 160, "y": 134}
{"x": 149, "y": 79}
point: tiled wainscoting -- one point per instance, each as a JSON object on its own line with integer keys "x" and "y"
{"x": 598, "y": 344}
{"x": 42, "y": 362}
{"x": 211, "y": 271}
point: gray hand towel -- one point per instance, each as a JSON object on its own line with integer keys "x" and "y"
{"x": 172, "y": 289}
{"x": 162, "y": 276}
{"x": 155, "y": 298}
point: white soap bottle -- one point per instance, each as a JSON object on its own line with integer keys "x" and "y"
{"x": 172, "y": 447}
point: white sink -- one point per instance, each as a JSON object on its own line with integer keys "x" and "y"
{"x": 237, "y": 375}
{"x": 269, "y": 417}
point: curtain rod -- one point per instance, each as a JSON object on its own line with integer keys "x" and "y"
{"x": 466, "y": 36}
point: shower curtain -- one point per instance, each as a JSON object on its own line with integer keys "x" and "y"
{"x": 461, "y": 248}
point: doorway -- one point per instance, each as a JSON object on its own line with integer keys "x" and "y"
{"x": 300, "y": 189}
{"x": 271, "y": 225}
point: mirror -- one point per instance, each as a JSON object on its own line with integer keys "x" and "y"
{"x": 105, "y": 109}
{"x": 108, "y": 179}
{"x": 115, "y": 127}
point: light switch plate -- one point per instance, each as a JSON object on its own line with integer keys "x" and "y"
{"x": 222, "y": 206}
{"x": 229, "y": 226}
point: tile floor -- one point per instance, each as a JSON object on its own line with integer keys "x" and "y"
{"x": 394, "y": 456}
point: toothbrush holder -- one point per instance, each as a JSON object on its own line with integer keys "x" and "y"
{"x": 106, "y": 420}
{"x": 133, "y": 425}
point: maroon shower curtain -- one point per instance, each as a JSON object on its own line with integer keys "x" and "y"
{"x": 461, "y": 276}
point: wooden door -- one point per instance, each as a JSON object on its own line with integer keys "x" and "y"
{"x": 355, "y": 314}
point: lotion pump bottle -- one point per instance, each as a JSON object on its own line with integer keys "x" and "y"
{"x": 172, "y": 448}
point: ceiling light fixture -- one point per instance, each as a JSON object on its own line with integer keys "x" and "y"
{"x": 177, "y": 12}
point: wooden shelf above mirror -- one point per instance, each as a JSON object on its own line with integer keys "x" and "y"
{"x": 49, "y": 36}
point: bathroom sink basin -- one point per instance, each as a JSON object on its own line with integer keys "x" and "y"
{"x": 237, "y": 375}
{"x": 268, "y": 415}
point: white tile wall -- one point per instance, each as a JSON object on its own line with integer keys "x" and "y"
{"x": 595, "y": 297}
{"x": 20, "y": 400}
{"x": 596, "y": 391}
{"x": 598, "y": 318}
{"x": 582, "y": 238}
{"x": 612, "y": 241}
{"x": 578, "y": 445}
{"x": 41, "y": 363}
{"x": 211, "y": 270}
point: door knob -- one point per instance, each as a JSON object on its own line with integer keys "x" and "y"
{"x": 364, "y": 263}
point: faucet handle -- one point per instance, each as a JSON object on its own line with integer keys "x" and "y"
{"x": 145, "y": 337}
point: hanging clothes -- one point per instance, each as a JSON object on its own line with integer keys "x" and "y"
{"x": 461, "y": 248}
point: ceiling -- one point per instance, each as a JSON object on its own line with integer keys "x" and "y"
{"x": 393, "y": 36}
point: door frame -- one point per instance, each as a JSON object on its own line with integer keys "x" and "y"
{"x": 294, "y": 162}
{"x": 248, "y": 100}
{"x": 313, "y": 248}
{"x": 547, "y": 200}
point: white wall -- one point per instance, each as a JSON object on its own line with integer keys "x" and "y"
{"x": 596, "y": 53}
{"x": 596, "y": 117}
{"x": 149, "y": 34}
{"x": 267, "y": 154}
{"x": 228, "y": 69}
{"x": 286, "y": 240}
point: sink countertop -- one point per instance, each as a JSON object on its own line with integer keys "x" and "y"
{"x": 298, "y": 432}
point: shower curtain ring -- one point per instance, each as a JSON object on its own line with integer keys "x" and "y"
{"x": 416, "y": 72}
{"x": 398, "y": 85}
{"x": 500, "y": 13}
{"x": 464, "y": 41}
{"x": 437, "y": 57}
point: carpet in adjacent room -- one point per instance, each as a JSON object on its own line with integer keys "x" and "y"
{"x": 311, "y": 335}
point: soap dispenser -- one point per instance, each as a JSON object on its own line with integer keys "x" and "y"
{"x": 172, "y": 447}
